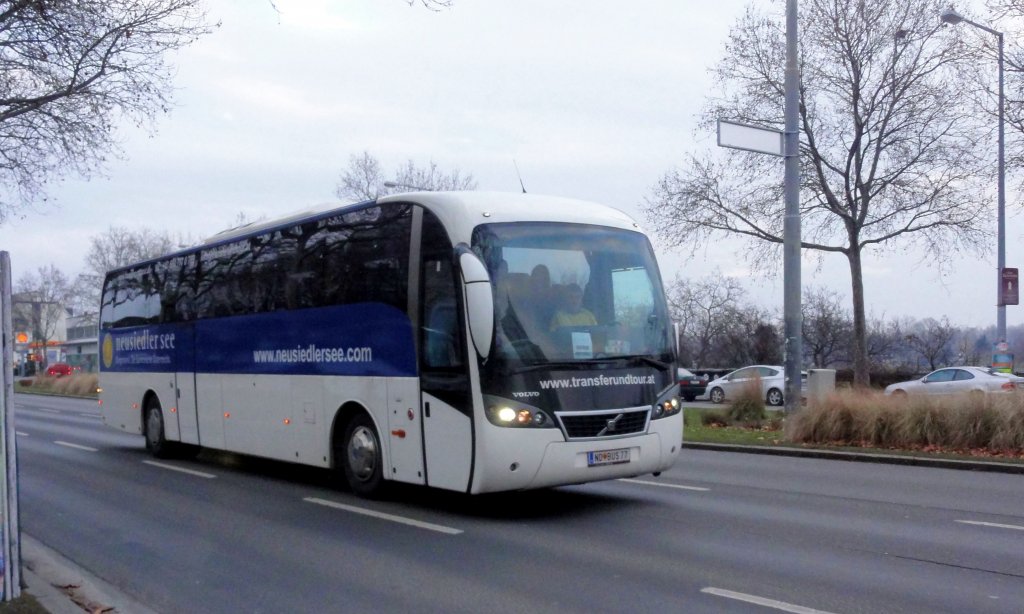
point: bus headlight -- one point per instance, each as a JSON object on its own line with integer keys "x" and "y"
{"x": 502, "y": 412}
{"x": 665, "y": 407}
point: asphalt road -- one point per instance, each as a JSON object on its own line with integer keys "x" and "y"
{"x": 720, "y": 532}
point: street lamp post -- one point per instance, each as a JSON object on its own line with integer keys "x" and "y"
{"x": 950, "y": 16}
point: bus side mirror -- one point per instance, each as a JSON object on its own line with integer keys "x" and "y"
{"x": 479, "y": 302}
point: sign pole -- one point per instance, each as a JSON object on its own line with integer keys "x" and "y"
{"x": 792, "y": 317}
{"x": 785, "y": 143}
{"x": 10, "y": 557}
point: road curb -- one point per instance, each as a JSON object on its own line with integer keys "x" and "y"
{"x": 62, "y": 587}
{"x": 49, "y": 597}
{"x": 892, "y": 459}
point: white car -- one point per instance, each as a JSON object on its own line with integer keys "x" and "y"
{"x": 773, "y": 382}
{"x": 959, "y": 380}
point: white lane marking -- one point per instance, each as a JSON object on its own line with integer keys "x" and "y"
{"x": 768, "y": 603}
{"x": 381, "y": 515}
{"x": 21, "y": 434}
{"x": 663, "y": 485}
{"x": 93, "y": 415}
{"x": 180, "y": 469}
{"x": 992, "y": 524}
{"x": 76, "y": 446}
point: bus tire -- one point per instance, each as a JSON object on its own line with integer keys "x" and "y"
{"x": 362, "y": 457}
{"x": 153, "y": 429}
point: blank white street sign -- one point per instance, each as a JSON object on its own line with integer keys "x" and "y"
{"x": 750, "y": 138}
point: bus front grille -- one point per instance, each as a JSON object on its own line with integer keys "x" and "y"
{"x": 588, "y": 425}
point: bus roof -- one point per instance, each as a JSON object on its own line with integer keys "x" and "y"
{"x": 460, "y": 212}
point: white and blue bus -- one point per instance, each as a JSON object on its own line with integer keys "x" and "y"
{"x": 469, "y": 341}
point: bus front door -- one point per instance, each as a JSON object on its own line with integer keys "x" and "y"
{"x": 448, "y": 434}
{"x": 445, "y": 404}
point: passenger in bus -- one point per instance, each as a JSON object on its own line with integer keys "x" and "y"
{"x": 572, "y": 312}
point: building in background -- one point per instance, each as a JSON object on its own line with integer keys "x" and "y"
{"x": 81, "y": 349}
{"x": 40, "y": 330}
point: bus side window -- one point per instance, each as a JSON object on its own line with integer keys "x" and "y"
{"x": 443, "y": 347}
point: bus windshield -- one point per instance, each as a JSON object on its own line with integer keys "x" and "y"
{"x": 571, "y": 294}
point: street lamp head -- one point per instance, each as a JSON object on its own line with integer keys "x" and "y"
{"x": 950, "y": 16}
{"x": 408, "y": 186}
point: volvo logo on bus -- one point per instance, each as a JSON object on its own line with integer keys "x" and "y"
{"x": 609, "y": 426}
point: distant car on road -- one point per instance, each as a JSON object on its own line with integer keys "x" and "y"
{"x": 60, "y": 369}
{"x": 773, "y": 383}
{"x": 691, "y": 385}
{"x": 959, "y": 380}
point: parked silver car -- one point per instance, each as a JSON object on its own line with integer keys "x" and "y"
{"x": 773, "y": 383}
{"x": 959, "y": 380}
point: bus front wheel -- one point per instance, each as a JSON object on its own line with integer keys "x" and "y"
{"x": 156, "y": 442}
{"x": 362, "y": 458}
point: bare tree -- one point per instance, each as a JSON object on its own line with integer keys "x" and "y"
{"x": 704, "y": 310}
{"x": 432, "y": 178}
{"x": 826, "y": 328}
{"x": 116, "y": 247}
{"x": 968, "y": 350}
{"x": 889, "y": 146}
{"x": 40, "y": 302}
{"x": 433, "y": 5}
{"x": 750, "y": 337}
{"x": 69, "y": 72}
{"x": 885, "y": 339}
{"x": 717, "y": 327}
{"x": 931, "y": 339}
{"x": 363, "y": 179}
{"x": 766, "y": 343}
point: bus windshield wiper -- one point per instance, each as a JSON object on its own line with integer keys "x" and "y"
{"x": 647, "y": 360}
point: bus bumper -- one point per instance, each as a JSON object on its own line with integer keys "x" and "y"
{"x": 542, "y": 458}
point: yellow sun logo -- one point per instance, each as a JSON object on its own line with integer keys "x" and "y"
{"x": 108, "y": 351}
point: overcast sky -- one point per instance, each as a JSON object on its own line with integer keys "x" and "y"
{"x": 592, "y": 99}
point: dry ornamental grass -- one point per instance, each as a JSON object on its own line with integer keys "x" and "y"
{"x": 82, "y": 384}
{"x": 991, "y": 424}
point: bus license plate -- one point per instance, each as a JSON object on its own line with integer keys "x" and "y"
{"x": 608, "y": 457}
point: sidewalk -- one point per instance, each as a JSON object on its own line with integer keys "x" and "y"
{"x": 44, "y": 570}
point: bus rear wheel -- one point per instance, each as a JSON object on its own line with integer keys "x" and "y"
{"x": 153, "y": 426}
{"x": 362, "y": 457}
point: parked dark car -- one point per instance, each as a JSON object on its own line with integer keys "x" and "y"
{"x": 691, "y": 386}
{"x": 60, "y": 369}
